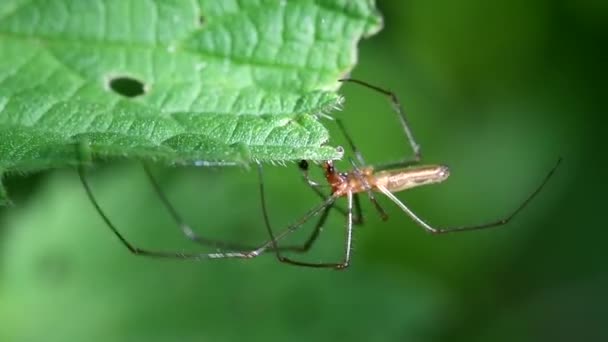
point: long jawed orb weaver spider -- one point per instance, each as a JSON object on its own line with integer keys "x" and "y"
{"x": 390, "y": 178}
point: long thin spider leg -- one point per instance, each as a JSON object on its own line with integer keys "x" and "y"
{"x": 273, "y": 241}
{"x": 350, "y": 141}
{"x": 398, "y": 108}
{"x": 151, "y": 253}
{"x": 347, "y": 244}
{"x": 190, "y": 234}
{"x": 379, "y": 209}
{"x": 358, "y": 218}
{"x": 492, "y": 224}
{"x": 358, "y": 215}
{"x": 313, "y": 237}
{"x": 290, "y": 229}
{"x": 271, "y": 245}
{"x": 183, "y": 225}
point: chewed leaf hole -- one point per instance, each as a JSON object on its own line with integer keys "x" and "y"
{"x": 126, "y": 86}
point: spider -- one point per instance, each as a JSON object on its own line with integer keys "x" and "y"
{"x": 362, "y": 178}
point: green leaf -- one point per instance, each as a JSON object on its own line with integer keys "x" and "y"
{"x": 218, "y": 81}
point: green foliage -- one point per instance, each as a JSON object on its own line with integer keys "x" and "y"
{"x": 495, "y": 90}
{"x": 172, "y": 81}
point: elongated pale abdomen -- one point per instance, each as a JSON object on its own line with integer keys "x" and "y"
{"x": 407, "y": 178}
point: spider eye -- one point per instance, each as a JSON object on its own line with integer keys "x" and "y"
{"x": 303, "y": 165}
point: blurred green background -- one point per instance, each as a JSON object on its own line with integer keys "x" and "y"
{"x": 496, "y": 90}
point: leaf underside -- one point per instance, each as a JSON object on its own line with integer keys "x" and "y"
{"x": 219, "y": 81}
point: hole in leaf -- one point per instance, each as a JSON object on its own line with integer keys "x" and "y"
{"x": 127, "y": 86}
{"x": 201, "y": 20}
